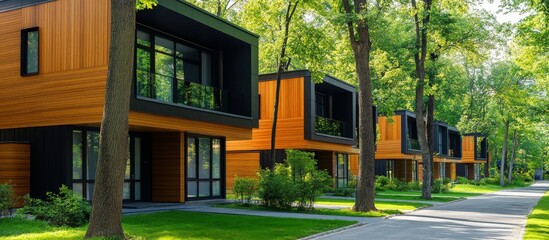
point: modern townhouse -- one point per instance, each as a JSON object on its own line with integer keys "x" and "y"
{"x": 315, "y": 117}
{"x": 194, "y": 89}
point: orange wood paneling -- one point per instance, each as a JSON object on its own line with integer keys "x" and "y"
{"x": 353, "y": 163}
{"x": 74, "y": 37}
{"x": 291, "y": 121}
{"x": 291, "y": 103}
{"x": 389, "y": 145}
{"x": 150, "y": 122}
{"x": 451, "y": 170}
{"x": 15, "y": 167}
{"x": 167, "y": 167}
{"x": 468, "y": 149}
{"x": 241, "y": 164}
{"x": 420, "y": 171}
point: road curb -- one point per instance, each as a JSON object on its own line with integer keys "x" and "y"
{"x": 341, "y": 229}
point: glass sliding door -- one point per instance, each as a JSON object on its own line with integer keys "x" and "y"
{"x": 342, "y": 170}
{"x": 85, "y": 156}
{"x": 205, "y": 167}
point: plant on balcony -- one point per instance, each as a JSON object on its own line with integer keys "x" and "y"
{"x": 328, "y": 126}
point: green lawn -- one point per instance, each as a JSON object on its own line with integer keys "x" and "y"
{"x": 537, "y": 226}
{"x": 457, "y": 192}
{"x": 181, "y": 225}
{"x": 381, "y": 205}
{"x": 337, "y": 212}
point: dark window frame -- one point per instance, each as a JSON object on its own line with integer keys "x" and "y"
{"x": 346, "y": 170}
{"x": 24, "y": 51}
{"x": 214, "y": 81}
{"x": 85, "y": 180}
{"x": 223, "y": 160}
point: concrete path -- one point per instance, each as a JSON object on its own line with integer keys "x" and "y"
{"x": 393, "y": 200}
{"x": 208, "y": 209}
{"x": 499, "y": 215}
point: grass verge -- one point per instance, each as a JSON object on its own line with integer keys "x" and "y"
{"x": 537, "y": 226}
{"x": 321, "y": 211}
{"x": 381, "y": 205}
{"x": 181, "y": 225}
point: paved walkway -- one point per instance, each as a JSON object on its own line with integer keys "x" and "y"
{"x": 392, "y": 200}
{"x": 499, "y": 215}
{"x": 209, "y": 209}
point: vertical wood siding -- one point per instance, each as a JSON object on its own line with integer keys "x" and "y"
{"x": 15, "y": 167}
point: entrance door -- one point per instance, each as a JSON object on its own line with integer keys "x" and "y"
{"x": 205, "y": 167}
{"x": 85, "y": 155}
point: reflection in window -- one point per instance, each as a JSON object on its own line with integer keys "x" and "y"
{"x": 204, "y": 167}
{"x": 173, "y": 72}
{"x": 342, "y": 170}
{"x": 29, "y": 51}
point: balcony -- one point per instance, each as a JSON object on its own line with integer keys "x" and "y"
{"x": 178, "y": 91}
{"x": 413, "y": 144}
{"x": 330, "y": 126}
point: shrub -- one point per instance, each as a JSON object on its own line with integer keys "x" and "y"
{"x": 344, "y": 192}
{"x": 397, "y": 185}
{"x": 353, "y": 180}
{"x": 382, "y": 181}
{"x": 245, "y": 188}
{"x": 414, "y": 185}
{"x": 275, "y": 188}
{"x": 63, "y": 209}
{"x": 8, "y": 199}
{"x": 440, "y": 187}
{"x": 462, "y": 180}
{"x": 298, "y": 179}
{"x": 308, "y": 180}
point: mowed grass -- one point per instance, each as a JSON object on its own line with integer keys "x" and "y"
{"x": 537, "y": 226}
{"x": 381, "y": 205}
{"x": 459, "y": 191}
{"x": 321, "y": 211}
{"x": 181, "y": 225}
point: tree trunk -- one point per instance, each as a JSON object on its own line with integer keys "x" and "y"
{"x": 510, "y": 177}
{"x": 106, "y": 215}
{"x": 419, "y": 59}
{"x": 282, "y": 66}
{"x": 430, "y": 133}
{"x": 503, "y": 155}
{"x": 365, "y": 192}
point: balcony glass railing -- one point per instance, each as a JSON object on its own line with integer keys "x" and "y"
{"x": 178, "y": 91}
{"x": 413, "y": 144}
{"x": 330, "y": 126}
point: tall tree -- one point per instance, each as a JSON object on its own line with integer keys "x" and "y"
{"x": 283, "y": 63}
{"x": 106, "y": 215}
{"x": 510, "y": 177}
{"x": 358, "y": 25}
{"x": 504, "y": 154}
{"x": 422, "y": 18}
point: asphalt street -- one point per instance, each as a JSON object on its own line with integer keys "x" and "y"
{"x": 499, "y": 215}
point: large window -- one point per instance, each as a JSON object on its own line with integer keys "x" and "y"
{"x": 205, "y": 159}
{"x": 85, "y": 156}
{"x": 29, "y": 51}
{"x": 414, "y": 171}
{"x": 169, "y": 70}
{"x": 342, "y": 170}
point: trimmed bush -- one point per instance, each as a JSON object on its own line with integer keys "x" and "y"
{"x": 245, "y": 188}
{"x": 440, "y": 187}
{"x": 297, "y": 180}
{"x": 276, "y": 189}
{"x": 344, "y": 192}
{"x": 8, "y": 199}
{"x": 63, "y": 209}
{"x": 414, "y": 186}
{"x": 397, "y": 185}
{"x": 462, "y": 180}
{"x": 382, "y": 181}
